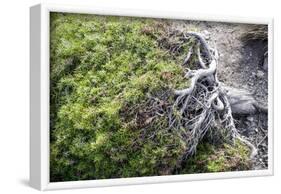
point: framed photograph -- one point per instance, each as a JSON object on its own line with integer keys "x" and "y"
{"x": 124, "y": 97}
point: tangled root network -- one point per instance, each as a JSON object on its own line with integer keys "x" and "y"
{"x": 203, "y": 106}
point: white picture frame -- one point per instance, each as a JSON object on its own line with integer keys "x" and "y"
{"x": 39, "y": 97}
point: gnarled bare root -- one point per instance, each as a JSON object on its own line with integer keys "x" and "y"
{"x": 205, "y": 104}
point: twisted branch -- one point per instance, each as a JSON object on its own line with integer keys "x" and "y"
{"x": 204, "y": 105}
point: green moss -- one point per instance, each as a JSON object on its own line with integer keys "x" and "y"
{"x": 219, "y": 158}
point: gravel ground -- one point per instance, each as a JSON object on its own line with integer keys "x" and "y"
{"x": 240, "y": 66}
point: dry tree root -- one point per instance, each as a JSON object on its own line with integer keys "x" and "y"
{"x": 205, "y": 105}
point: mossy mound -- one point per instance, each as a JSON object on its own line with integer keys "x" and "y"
{"x": 218, "y": 158}
{"x": 104, "y": 73}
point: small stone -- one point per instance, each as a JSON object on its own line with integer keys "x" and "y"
{"x": 250, "y": 83}
{"x": 250, "y": 118}
{"x": 206, "y": 34}
{"x": 260, "y": 74}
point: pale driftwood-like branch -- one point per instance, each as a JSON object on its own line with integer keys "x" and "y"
{"x": 206, "y": 104}
{"x": 199, "y": 74}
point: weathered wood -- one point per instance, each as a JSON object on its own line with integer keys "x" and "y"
{"x": 217, "y": 103}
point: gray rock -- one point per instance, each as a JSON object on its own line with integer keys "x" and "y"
{"x": 250, "y": 118}
{"x": 265, "y": 64}
{"x": 260, "y": 74}
{"x": 206, "y": 34}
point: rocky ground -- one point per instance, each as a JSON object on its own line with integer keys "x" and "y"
{"x": 241, "y": 65}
